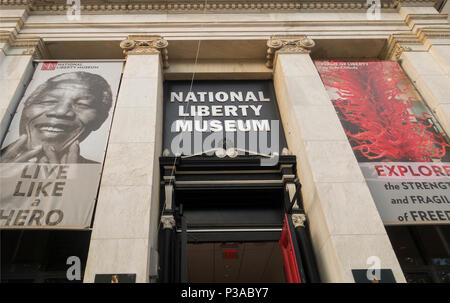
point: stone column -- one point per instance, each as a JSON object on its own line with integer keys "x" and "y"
{"x": 345, "y": 226}
{"x": 124, "y": 235}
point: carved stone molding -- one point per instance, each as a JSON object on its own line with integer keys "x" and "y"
{"x": 417, "y": 3}
{"x": 287, "y": 45}
{"x": 427, "y": 33}
{"x": 163, "y": 6}
{"x": 397, "y": 51}
{"x": 411, "y": 19}
{"x": 168, "y": 221}
{"x": 104, "y": 6}
{"x": 434, "y": 36}
{"x": 146, "y": 45}
{"x": 33, "y": 46}
{"x": 429, "y": 29}
{"x": 298, "y": 220}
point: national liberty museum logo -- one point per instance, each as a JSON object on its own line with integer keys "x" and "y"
{"x": 223, "y": 119}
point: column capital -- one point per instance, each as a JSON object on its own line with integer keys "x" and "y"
{"x": 287, "y": 44}
{"x": 146, "y": 45}
{"x": 33, "y": 46}
{"x": 298, "y": 220}
{"x": 168, "y": 221}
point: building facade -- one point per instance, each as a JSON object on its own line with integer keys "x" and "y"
{"x": 161, "y": 215}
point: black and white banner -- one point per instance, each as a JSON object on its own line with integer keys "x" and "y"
{"x": 52, "y": 156}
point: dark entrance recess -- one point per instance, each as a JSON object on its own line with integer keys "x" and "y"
{"x": 423, "y": 252}
{"x": 40, "y": 256}
{"x": 230, "y": 220}
{"x": 217, "y": 251}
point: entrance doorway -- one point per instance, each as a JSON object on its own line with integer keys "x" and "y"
{"x": 232, "y": 236}
{"x": 235, "y": 262}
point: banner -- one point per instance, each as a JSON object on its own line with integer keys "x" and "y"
{"x": 223, "y": 118}
{"x": 401, "y": 149}
{"x": 52, "y": 157}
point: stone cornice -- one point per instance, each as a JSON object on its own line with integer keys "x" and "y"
{"x": 33, "y": 46}
{"x": 429, "y": 28}
{"x": 146, "y": 45}
{"x": 140, "y": 6}
{"x": 6, "y": 37}
{"x": 434, "y": 36}
{"x": 13, "y": 25}
{"x": 418, "y": 3}
{"x": 288, "y": 44}
{"x": 164, "y": 6}
{"x": 18, "y": 21}
{"x": 415, "y": 17}
{"x": 427, "y": 33}
{"x": 417, "y": 21}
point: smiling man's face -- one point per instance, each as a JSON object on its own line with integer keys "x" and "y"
{"x": 60, "y": 115}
